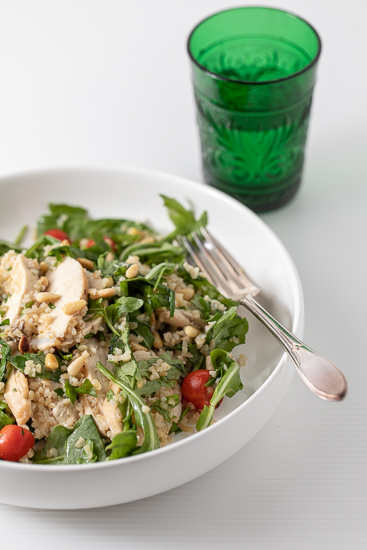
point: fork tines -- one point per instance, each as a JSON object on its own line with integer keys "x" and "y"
{"x": 220, "y": 267}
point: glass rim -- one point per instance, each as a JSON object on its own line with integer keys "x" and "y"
{"x": 254, "y": 82}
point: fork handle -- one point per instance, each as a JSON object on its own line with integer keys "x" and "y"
{"x": 320, "y": 376}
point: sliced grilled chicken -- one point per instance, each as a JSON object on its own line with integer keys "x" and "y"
{"x": 17, "y": 396}
{"x": 67, "y": 280}
{"x": 19, "y": 283}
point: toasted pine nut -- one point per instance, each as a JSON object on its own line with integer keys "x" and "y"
{"x": 44, "y": 281}
{"x": 23, "y": 345}
{"x": 157, "y": 343}
{"x": 132, "y": 271}
{"x": 47, "y": 297}
{"x": 133, "y": 231}
{"x": 51, "y": 362}
{"x": 110, "y": 256}
{"x": 137, "y": 347}
{"x": 191, "y": 331}
{"x": 96, "y": 384}
{"x": 74, "y": 307}
{"x": 76, "y": 366}
{"x": 102, "y": 293}
{"x": 108, "y": 282}
{"x": 65, "y": 242}
{"x": 88, "y": 264}
{"x": 147, "y": 240}
{"x": 187, "y": 293}
{"x": 43, "y": 267}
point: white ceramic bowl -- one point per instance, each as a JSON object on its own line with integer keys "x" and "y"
{"x": 134, "y": 193}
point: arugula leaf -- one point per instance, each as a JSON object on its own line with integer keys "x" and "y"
{"x": 5, "y": 352}
{"x": 158, "y": 271}
{"x": 143, "y": 330}
{"x": 5, "y": 419}
{"x": 72, "y": 392}
{"x": 162, "y": 296}
{"x": 157, "y": 405}
{"x": 144, "y": 420}
{"x": 123, "y": 444}
{"x": 56, "y": 440}
{"x": 86, "y": 428}
{"x": 184, "y": 220}
{"x": 64, "y": 439}
{"x": 19, "y": 361}
{"x": 6, "y": 246}
{"x": 228, "y": 330}
{"x": 154, "y": 253}
{"x": 113, "y": 312}
{"x": 229, "y": 385}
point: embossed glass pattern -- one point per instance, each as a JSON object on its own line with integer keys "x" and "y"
{"x": 253, "y": 73}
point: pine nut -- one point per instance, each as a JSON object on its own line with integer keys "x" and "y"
{"x": 43, "y": 267}
{"x": 51, "y": 362}
{"x": 102, "y": 293}
{"x": 187, "y": 293}
{"x": 88, "y": 264}
{"x": 132, "y": 271}
{"x": 108, "y": 282}
{"x": 109, "y": 257}
{"x": 74, "y": 307}
{"x": 76, "y": 366}
{"x": 96, "y": 384}
{"x": 191, "y": 331}
{"x": 137, "y": 347}
{"x": 23, "y": 345}
{"x": 157, "y": 343}
{"x": 43, "y": 281}
{"x": 147, "y": 240}
{"x": 133, "y": 231}
{"x": 47, "y": 297}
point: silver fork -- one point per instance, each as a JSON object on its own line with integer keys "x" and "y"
{"x": 320, "y": 376}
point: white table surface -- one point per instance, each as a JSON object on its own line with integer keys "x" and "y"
{"x": 107, "y": 83}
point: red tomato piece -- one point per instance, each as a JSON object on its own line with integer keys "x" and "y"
{"x": 58, "y": 234}
{"x": 15, "y": 442}
{"x": 90, "y": 243}
{"x": 194, "y": 390}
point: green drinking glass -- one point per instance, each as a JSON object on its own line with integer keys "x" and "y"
{"x": 253, "y": 73}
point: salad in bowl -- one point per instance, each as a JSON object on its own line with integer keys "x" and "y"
{"x": 111, "y": 343}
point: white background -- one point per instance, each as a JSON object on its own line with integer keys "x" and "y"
{"x": 107, "y": 83}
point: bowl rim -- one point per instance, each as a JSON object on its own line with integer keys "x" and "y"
{"x": 297, "y": 321}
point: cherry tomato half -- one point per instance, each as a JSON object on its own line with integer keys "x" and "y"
{"x": 106, "y": 239}
{"x": 58, "y": 234}
{"x": 15, "y": 442}
{"x": 194, "y": 390}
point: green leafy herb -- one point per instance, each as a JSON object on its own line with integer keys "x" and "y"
{"x": 123, "y": 444}
{"x": 21, "y": 235}
{"x": 67, "y": 444}
{"x": 229, "y": 385}
{"x": 227, "y": 329}
{"x": 184, "y": 220}
{"x": 5, "y": 419}
{"x": 144, "y": 420}
{"x": 19, "y": 362}
{"x": 72, "y": 392}
{"x": 5, "y": 356}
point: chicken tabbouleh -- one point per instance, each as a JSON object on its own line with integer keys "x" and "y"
{"x": 110, "y": 341}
